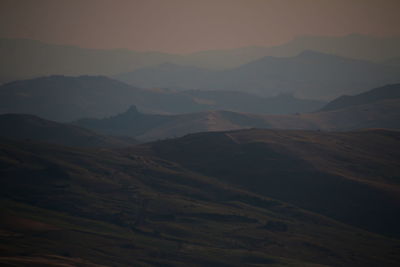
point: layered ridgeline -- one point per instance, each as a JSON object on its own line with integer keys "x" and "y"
{"x": 30, "y": 127}
{"x": 177, "y": 202}
{"x": 309, "y": 74}
{"x": 64, "y": 98}
{"x": 22, "y": 59}
{"x": 378, "y": 108}
{"x": 387, "y": 92}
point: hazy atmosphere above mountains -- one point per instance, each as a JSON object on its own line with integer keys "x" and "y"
{"x": 200, "y": 133}
{"x": 182, "y": 26}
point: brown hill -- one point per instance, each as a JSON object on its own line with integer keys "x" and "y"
{"x": 124, "y": 208}
{"x": 23, "y": 126}
{"x": 352, "y": 177}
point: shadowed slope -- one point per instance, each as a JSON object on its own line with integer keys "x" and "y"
{"x": 22, "y": 126}
{"x": 126, "y": 208}
{"x": 352, "y": 177}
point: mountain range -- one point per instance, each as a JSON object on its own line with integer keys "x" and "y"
{"x": 309, "y": 74}
{"x": 378, "y": 94}
{"x": 23, "y": 59}
{"x": 92, "y": 102}
{"x": 256, "y": 156}
{"x": 380, "y": 111}
{"x": 63, "y": 98}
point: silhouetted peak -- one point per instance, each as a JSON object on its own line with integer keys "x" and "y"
{"x": 132, "y": 110}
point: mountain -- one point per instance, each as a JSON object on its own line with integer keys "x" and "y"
{"x": 63, "y": 98}
{"x": 146, "y": 127}
{"x": 354, "y": 46}
{"x": 383, "y": 113}
{"x": 167, "y": 75}
{"x": 309, "y": 74}
{"x": 351, "y": 177}
{"x": 29, "y": 127}
{"x": 24, "y": 59}
{"x": 153, "y": 204}
{"x": 374, "y": 95}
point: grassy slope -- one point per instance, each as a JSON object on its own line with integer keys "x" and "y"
{"x": 353, "y": 177}
{"x": 125, "y": 208}
{"x": 24, "y": 126}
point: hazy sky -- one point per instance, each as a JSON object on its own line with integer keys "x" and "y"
{"x": 182, "y": 26}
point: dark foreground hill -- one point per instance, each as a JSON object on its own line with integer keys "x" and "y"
{"x": 22, "y": 126}
{"x": 178, "y": 203}
{"x": 351, "y": 176}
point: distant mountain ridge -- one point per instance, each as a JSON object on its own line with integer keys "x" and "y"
{"x": 309, "y": 74}
{"x": 374, "y": 95}
{"x": 22, "y": 58}
{"x": 380, "y": 113}
{"x": 63, "y": 98}
{"x": 152, "y": 126}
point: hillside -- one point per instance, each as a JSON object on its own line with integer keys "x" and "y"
{"x": 351, "y": 177}
{"x": 375, "y": 95}
{"x": 147, "y": 127}
{"x": 63, "y": 98}
{"x": 381, "y": 114}
{"x": 309, "y": 74}
{"x": 29, "y": 127}
{"x": 129, "y": 208}
{"x": 151, "y": 126}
